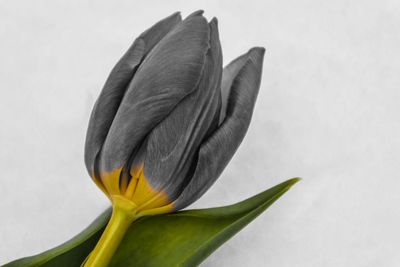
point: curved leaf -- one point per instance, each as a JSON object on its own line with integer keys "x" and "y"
{"x": 183, "y": 238}
{"x": 72, "y": 252}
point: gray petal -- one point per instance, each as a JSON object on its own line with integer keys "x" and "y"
{"x": 228, "y": 76}
{"x": 153, "y": 35}
{"x": 173, "y": 143}
{"x": 109, "y": 100}
{"x": 216, "y": 151}
{"x": 112, "y": 93}
{"x": 168, "y": 74}
{"x": 196, "y": 13}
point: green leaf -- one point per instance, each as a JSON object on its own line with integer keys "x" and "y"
{"x": 183, "y": 238}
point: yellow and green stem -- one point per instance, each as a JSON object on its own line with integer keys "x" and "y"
{"x": 130, "y": 200}
{"x": 124, "y": 213}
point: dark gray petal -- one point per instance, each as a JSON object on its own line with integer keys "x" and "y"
{"x": 228, "y": 76}
{"x": 169, "y": 73}
{"x": 112, "y": 93}
{"x": 196, "y": 13}
{"x": 153, "y": 35}
{"x": 109, "y": 100}
{"x": 216, "y": 151}
{"x": 172, "y": 144}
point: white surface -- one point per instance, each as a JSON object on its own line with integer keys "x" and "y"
{"x": 328, "y": 111}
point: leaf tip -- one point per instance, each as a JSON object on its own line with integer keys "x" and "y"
{"x": 293, "y": 181}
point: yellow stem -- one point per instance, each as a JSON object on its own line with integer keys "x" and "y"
{"x": 124, "y": 213}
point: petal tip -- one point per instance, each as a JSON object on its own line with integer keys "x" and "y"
{"x": 196, "y": 18}
{"x": 196, "y": 13}
{"x": 257, "y": 51}
{"x": 256, "y": 55}
{"x": 214, "y": 21}
{"x": 177, "y": 16}
{"x": 199, "y": 12}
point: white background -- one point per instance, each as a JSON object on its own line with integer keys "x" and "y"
{"x": 328, "y": 111}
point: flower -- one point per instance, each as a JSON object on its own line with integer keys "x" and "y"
{"x": 168, "y": 119}
{"x": 167, "y": 122}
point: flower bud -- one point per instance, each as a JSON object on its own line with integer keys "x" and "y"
{"x": 169, "y": 118}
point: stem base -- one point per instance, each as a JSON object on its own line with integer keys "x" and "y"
{"x": 124, "y": 213}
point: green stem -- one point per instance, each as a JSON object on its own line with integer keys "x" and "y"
{"x": 122, "y": 216}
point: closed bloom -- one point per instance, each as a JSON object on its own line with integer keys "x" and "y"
{"x": 169, "y": 118}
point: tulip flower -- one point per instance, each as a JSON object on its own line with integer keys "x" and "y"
{"x": 167, "y": 122}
